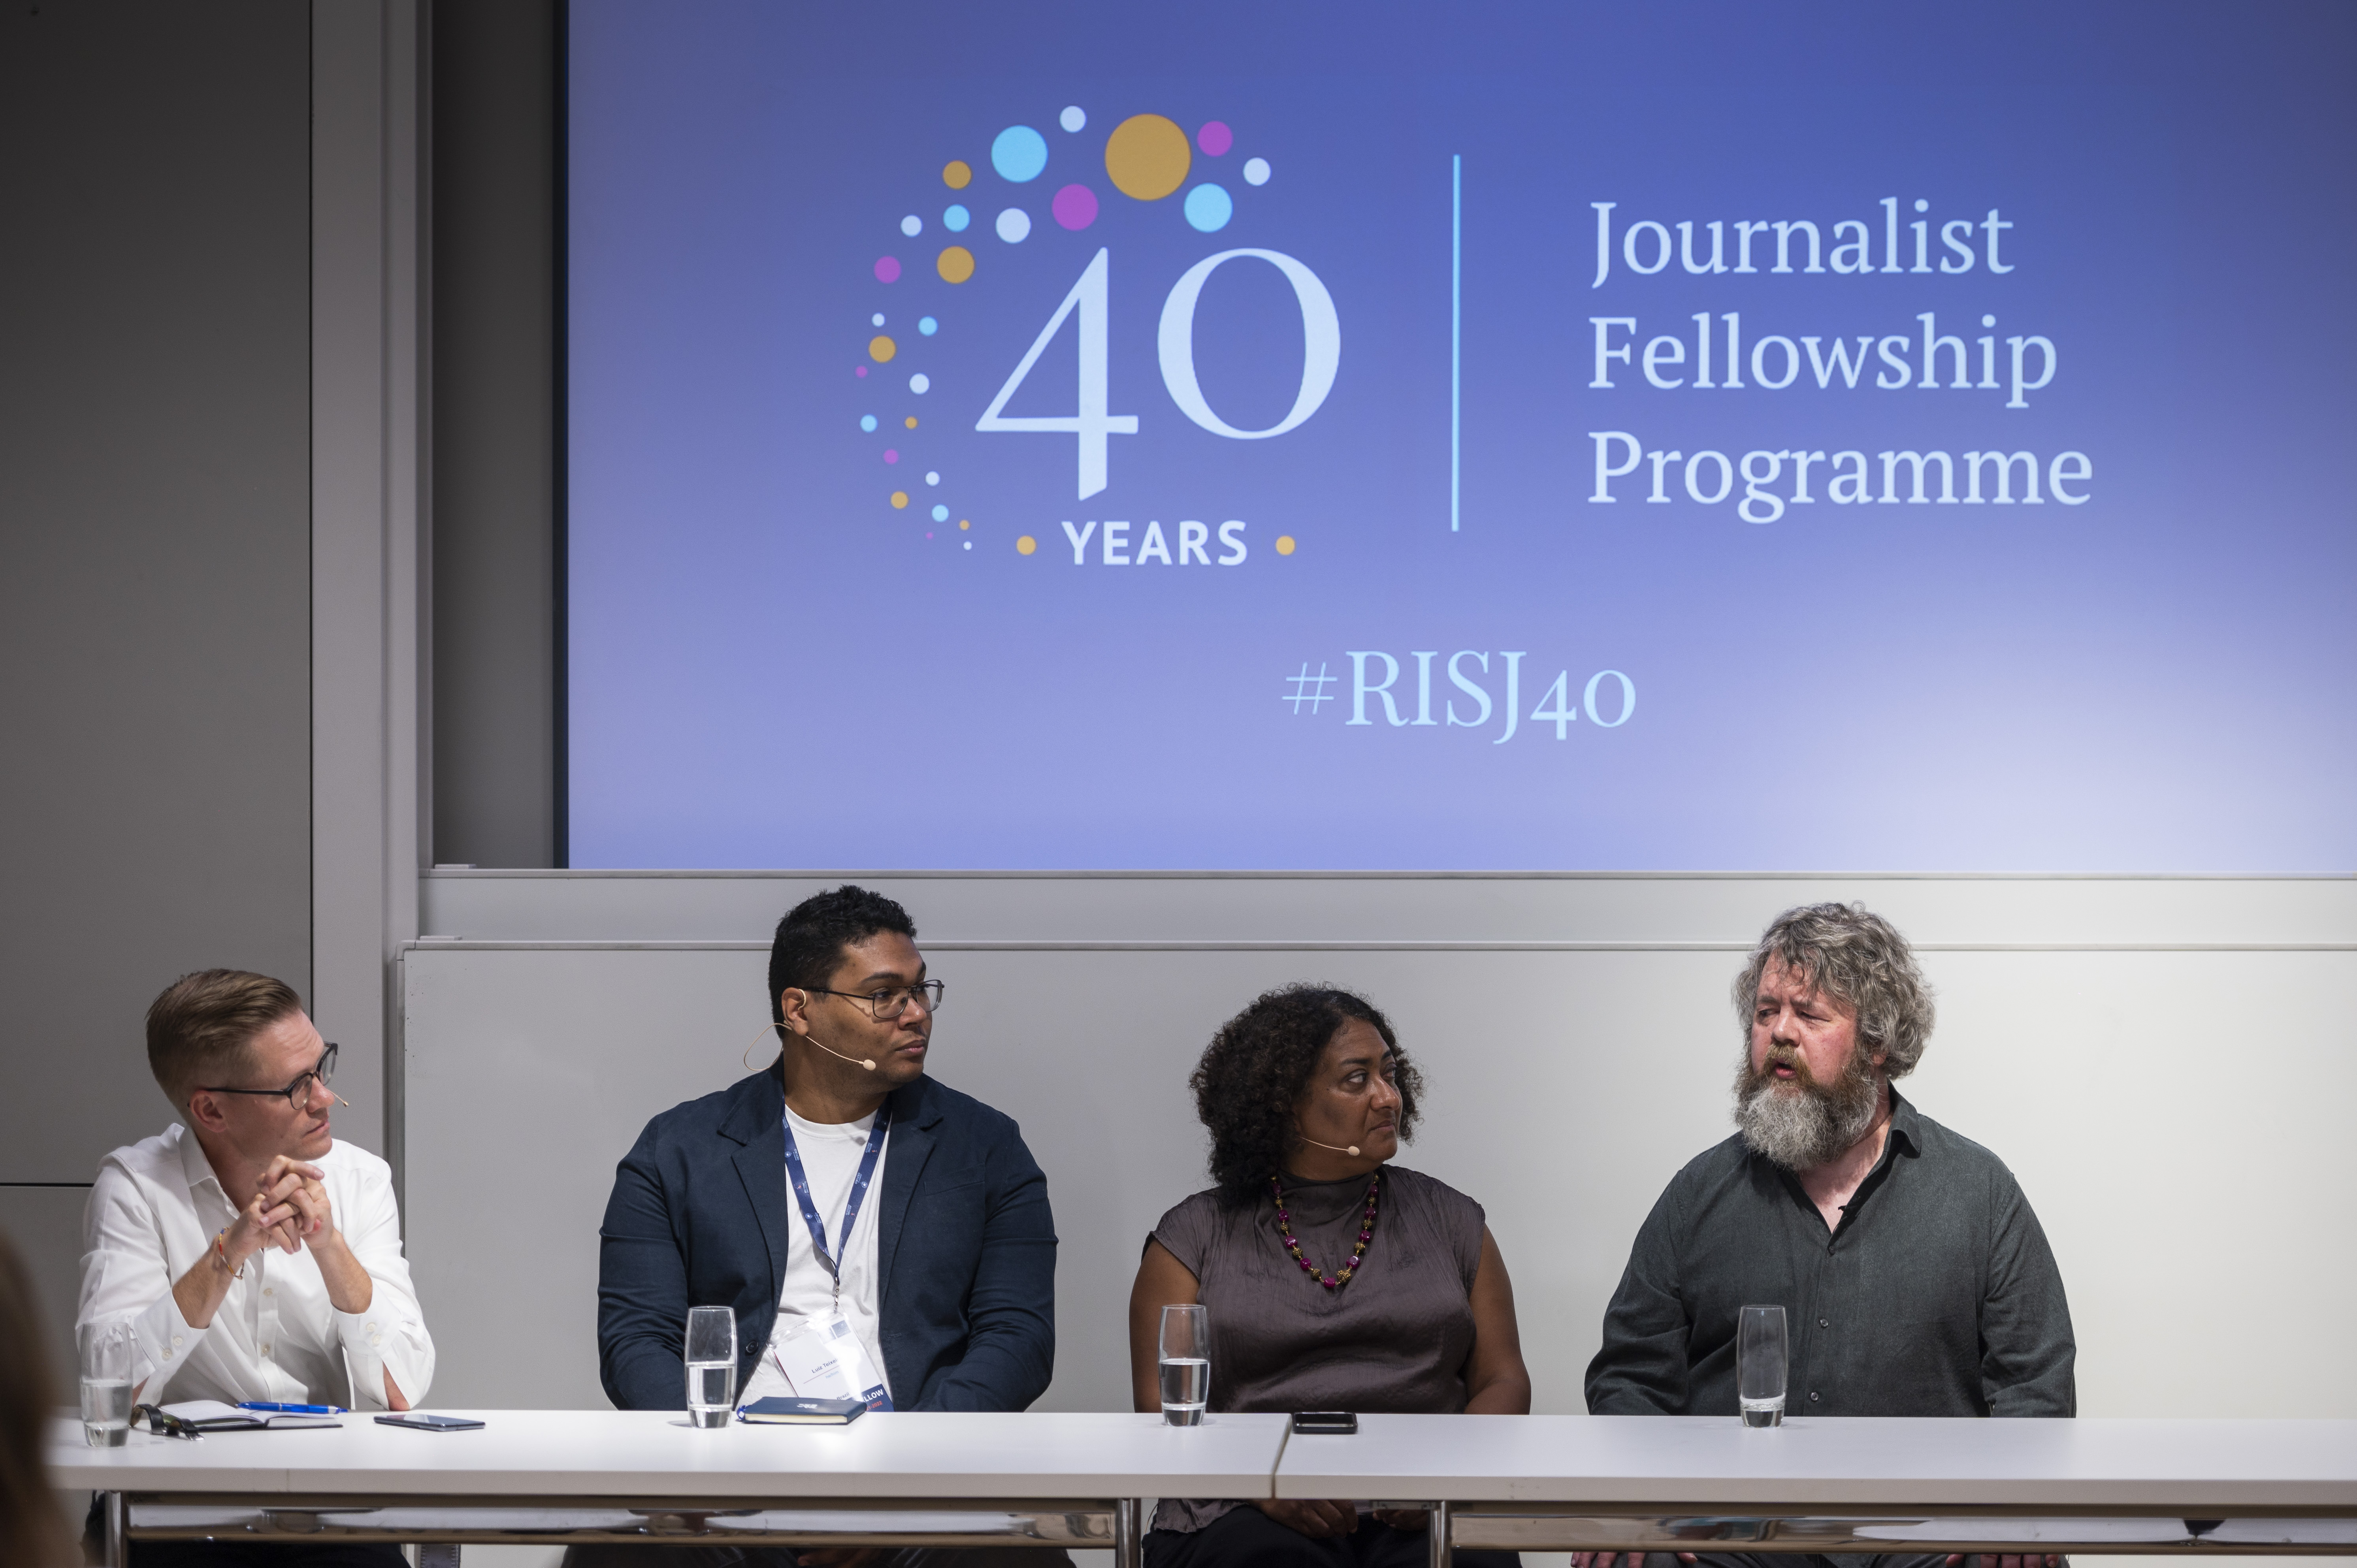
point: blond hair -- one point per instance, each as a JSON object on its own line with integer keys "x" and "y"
{"x": 198, "y": 1029}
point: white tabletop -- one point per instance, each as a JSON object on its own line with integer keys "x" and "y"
{"x": 2183, "y": 1467}
{"x": 653, "y": 1453}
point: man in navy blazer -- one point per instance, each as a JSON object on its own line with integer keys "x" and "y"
{"x": 944, "y": 1264}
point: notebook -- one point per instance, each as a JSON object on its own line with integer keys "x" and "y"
{"x": 779, "y": 1410}
{"x": 212, "y": 1415}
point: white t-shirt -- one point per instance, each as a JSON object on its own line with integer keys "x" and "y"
{"x": 831, "y": 1155}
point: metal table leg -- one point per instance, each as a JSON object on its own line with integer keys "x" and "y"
{"x": 1129, "y": 1533}
{"x": 1435, "y": 1542}
{"x": 118, "y": 1544}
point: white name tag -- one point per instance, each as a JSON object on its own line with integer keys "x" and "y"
{"x": 824, "y": 1359}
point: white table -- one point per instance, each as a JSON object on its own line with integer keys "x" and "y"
{"x": 1662, "y": 1483}
{"x": 901, "y": 1478}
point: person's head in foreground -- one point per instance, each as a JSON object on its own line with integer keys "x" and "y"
{"x": 32, "y": 1522}
{"x": 1331, "y": 1279}
{"x": 1832, "y": 1010}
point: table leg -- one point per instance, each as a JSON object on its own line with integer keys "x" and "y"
{"x": 1436, "y": 1543}
{"x": 118, "y": 1544}
{"x": 1129, "y": 1533}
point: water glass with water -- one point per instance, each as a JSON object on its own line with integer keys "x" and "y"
{"x": 1186, "y": 1359}
{"x": 711, "y": 1364}
{"x": 1759, "y": 1363}
{"x": 106, "y": 1357}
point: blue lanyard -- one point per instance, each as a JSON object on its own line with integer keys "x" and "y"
{"x": 851, "y": 1206}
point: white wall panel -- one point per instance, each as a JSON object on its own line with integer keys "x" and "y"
{"x": 2139, "y": 1095}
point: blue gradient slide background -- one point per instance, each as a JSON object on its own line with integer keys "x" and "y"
{"x": 772, "y": 666}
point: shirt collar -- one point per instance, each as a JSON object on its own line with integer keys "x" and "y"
{"x": 195, "y": 1167}
{"x": 1904, "y": 1123}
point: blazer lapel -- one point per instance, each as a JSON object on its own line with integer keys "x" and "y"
{"x": 757, "y": 1122}
{"x": 915, "y": 1121}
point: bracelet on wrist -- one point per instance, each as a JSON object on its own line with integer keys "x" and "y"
{"x": 221, "y": 1255}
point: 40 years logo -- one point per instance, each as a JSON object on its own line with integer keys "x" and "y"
{"x": 1146, "y": 159}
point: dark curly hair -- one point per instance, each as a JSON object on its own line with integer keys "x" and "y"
{"x": 1254, "y": 1069}
{"x": 811, "y": 939}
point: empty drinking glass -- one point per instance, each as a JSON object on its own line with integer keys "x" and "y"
{"x": 106, "y": 1355}
{"x": 1186, "y": 1364}
{"x": 711, "y": 1364}
{"x": 1760, "y": 1365}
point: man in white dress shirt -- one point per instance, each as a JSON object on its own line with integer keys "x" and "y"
{"x": 254, "y": 1256}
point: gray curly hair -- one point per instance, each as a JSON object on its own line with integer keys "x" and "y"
{"x": 1859, "y": 958}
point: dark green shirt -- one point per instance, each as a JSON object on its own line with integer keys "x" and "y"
{"x": 1936, "y": 1296}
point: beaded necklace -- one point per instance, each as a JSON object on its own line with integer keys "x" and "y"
{"x": 1366, "y": 1234}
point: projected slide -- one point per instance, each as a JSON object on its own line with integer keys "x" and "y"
{"x": 1489, "y": 436}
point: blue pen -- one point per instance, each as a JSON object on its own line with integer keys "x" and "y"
{"x": 278, "y": 1409}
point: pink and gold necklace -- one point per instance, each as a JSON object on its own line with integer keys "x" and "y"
{"x": 1358, "y": 1253}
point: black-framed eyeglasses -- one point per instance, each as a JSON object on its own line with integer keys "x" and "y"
{"x": 295, "y": 1092}
{"x": 164, "y": 1424}
{"x": 887, "y": 1005}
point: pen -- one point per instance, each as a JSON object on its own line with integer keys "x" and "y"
{"x": 273, "y": 1406}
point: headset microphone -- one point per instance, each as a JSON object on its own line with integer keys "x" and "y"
{"x": 830, "y": 1050}
{"x": 342, "y": 1100}
{"x": 1336, "y": 1147}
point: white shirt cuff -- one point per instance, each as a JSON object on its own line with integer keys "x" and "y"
{"x": 374, "y": 1345}
{"x": 166, "y": 1340}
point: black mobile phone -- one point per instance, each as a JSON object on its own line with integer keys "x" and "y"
{"x": 418, "y": 1420}
{"x": 1340, "y": 1422}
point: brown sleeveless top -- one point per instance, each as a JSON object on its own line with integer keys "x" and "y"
{"x": 1395, "y": 1339}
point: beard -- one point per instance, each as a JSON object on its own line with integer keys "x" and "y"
{"x": 1804, "y": 1124}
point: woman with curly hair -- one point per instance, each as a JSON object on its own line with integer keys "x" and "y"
{"x": 1335, "y": 1280}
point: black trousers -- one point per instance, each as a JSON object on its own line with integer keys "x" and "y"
{"x": 1246, "y": 1538}
{"x": 631, "y": 1556}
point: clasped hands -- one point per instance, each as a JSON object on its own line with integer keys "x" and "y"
{"x": 289, "y": 1210}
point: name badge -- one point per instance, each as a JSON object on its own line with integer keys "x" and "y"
{"x": 825, "y": 1359}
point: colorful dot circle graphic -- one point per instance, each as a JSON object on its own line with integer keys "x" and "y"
{"x": 877, "y": 319}
{"x": 1147, "y": 157}
{"x": 858, "y": 369}
{"x": 964, "y": 523}
{"x": 899, "y": 499}
{"x": 1255, "y": 171}
{"x": 913, "y": 225}
{"x": 969, "y": 544}
{"x": 1075, "y": 207}
{"x": 910, "y": 422}
{"x": 940, "y": 514}
{"x": 888, "y": 269}
{"x": 921, "y": 383}
{"x": 932, "y": 477}
{"x": 955, "y": 218}
{"x": 1285, "y": 544}
{"x": 1215, "y": 138}
{"x": 881, "y": 348}
{"x": 891, "y": 455}
{"x": 1015, "y": 225}
{"x": 1026, "y": 545}
{"x": 868, "y": 421}
{"x": 957, "y": 174}
{"x": 927, "y": 326}
{"x": 956, "y": 264}
{"x": 1075, "y": 119}
{"x": 1209, "y": 207}
{"x": 1020, "y": 153}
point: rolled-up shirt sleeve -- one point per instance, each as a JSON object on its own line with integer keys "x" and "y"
{"x": 390, "y": 1338}
{"x": 127, "y": 1277}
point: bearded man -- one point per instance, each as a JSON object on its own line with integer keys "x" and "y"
{"x": 1915, "y": 1279}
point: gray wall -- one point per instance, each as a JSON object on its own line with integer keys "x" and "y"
{"x": 495, "y": 679}
{"x": 154, "y": 560}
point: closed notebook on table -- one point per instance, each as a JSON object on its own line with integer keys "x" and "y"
{"x": 779, "y": 1410}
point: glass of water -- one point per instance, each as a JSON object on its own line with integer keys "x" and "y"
{"x": 1760, "y": 1362}
{"x": 106, "y": 1356}
{"x": 1186, "y": 1359}
{"x": 711, "y": 1364}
